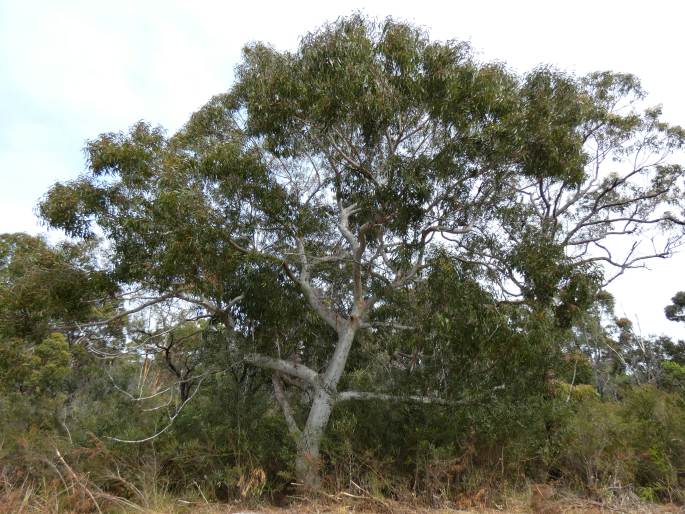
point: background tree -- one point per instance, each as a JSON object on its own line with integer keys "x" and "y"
{"x": 45, "y": 293}
{"x": 676, "y": 310}
{"x": 45, "y": 289}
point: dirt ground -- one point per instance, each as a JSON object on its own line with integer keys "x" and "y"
{"x": 536, "y": 499}
{"x": 531, "y": 504}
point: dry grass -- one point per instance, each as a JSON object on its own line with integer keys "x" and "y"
{"x": 74, "y": 493}
{"x": 29, "y": 500}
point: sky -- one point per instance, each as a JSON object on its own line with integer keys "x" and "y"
{"x": 70, "y": 70}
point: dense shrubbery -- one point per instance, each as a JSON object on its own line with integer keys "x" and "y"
{"x": 230, "y": 442}
{"x": 227, "y": 450}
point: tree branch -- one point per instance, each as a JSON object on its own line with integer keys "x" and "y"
{"x": 282, "y": 400}
{"x": 214, "y": 309}
{"x": 123, "y": 314}
{"x": 330, "y": 317}
{"x": 368, "y": 395}
{"x": 166, "y": 427}
{"x": 287, "y": 367}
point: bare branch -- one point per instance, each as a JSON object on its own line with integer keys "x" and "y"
{"x": 166, "y": 427}
{"x": 387, "y": 324}
{"x": 344, "y": 224}
{"x": 330, "y": 317}
{"x": 224, "y": 314}
{"x": 123, "y": 314}
{"x": 283, "y": 366}
{"x": 367, "y": 395}
{"x": 282, "y": 400}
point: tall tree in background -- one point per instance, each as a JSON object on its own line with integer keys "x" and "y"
{"x": 45, "y": 294}
{"x": 301, "y": 208}
{"x": 675, "y": 311}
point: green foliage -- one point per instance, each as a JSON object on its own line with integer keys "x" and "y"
{"x": 552, "y": 111}
{"x": 40, "y": 285}
{"x": 673, "y": 378}
{"x": 632, "y": 442}
{"x": 676, "y": 310}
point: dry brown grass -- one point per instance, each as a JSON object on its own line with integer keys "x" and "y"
{"x": 73, "y": 493}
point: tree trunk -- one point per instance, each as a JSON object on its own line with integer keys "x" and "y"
{"x": 307, "y": 463}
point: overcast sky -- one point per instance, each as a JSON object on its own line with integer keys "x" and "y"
{"x": 70, "y": 70}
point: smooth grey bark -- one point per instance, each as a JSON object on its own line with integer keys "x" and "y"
{"x": 308, "y": 439}
{"x": 308, "y": 464}
{"x": 368, "y": 395}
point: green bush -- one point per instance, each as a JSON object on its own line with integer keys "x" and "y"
{"x": 633, "y": 443}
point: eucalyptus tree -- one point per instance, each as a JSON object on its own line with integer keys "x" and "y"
{"x": 324, "y": 179}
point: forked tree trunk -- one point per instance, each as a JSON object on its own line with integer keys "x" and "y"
{"x": 308, "y": 462}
